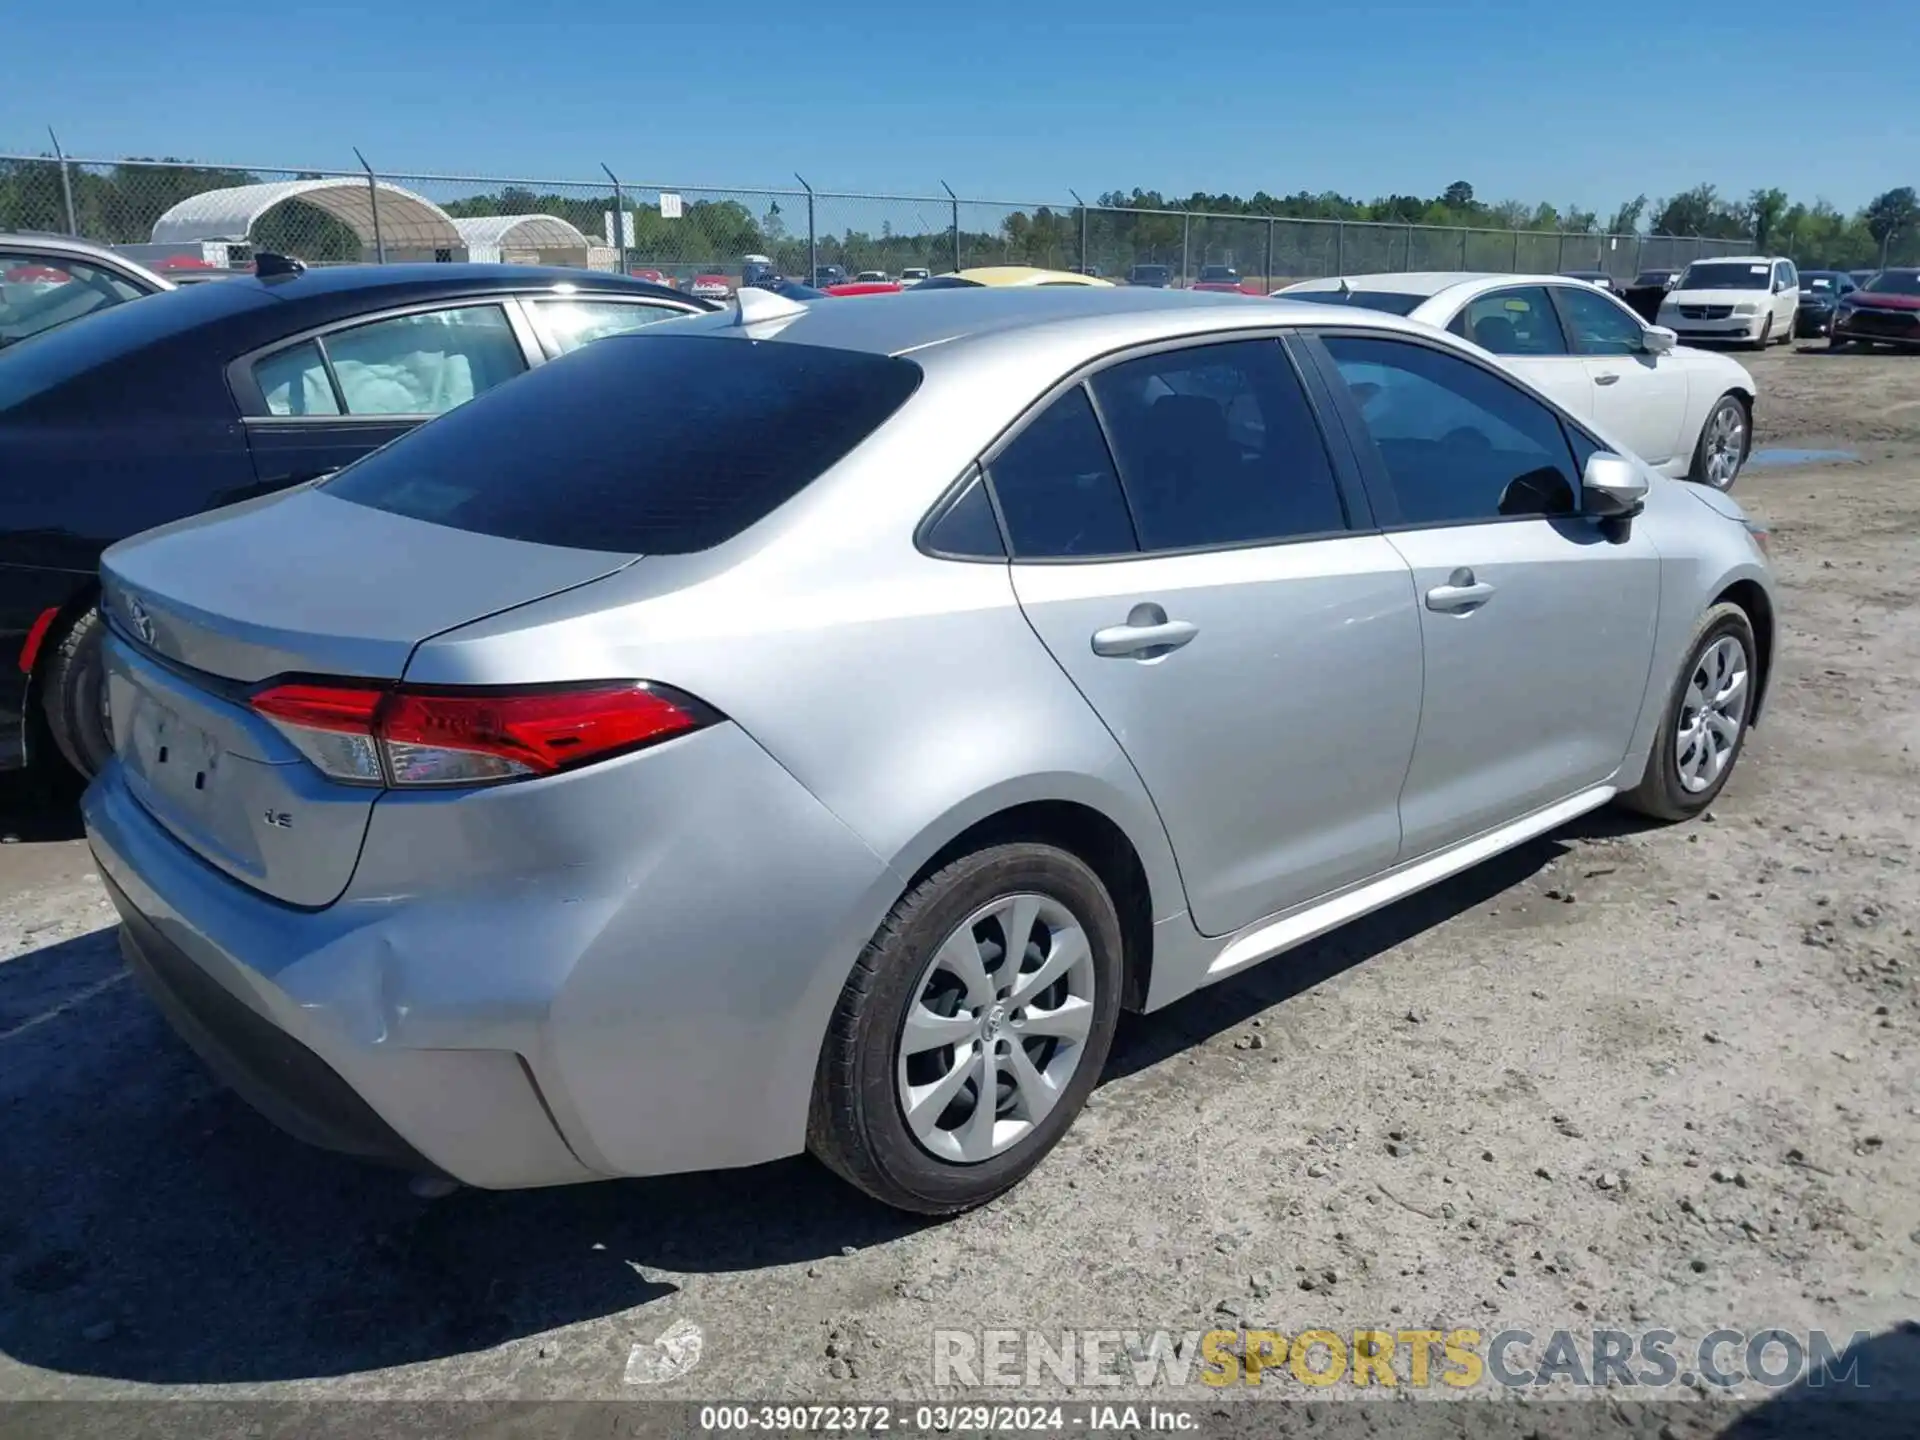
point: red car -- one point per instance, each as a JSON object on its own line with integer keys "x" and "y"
{"x": 656, "y": 276}
{"x": 711, "y": 287}
{"x": 864, "y": 287}
{"x": 1884, "y": 311}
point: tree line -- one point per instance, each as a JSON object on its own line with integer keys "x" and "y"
{"x": 119, "y": 203}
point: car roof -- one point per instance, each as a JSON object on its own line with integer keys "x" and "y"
{"x": 1427, "y": 283}
{"x": 1014, "y": 274}
{"x": 392, "y": 283}
{"x": 929, "y": 326}
{"x": 1737, "y": 260}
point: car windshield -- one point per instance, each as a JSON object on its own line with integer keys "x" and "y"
{"x": 1895, "y": 282}
{"x": 1391, "y": 301}
{"x": 1653, "y": 277}
{"x": 635, "y": 444}
{"x": 1810, "y": 281}
{"x": 1721, "y": 275}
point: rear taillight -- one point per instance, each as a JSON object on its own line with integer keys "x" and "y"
{"x": 366, "y": 736}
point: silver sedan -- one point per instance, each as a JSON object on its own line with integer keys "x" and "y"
{"x": 810, "y": 726}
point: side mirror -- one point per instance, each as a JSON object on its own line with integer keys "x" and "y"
{"x": 1612, "y": 487}
{"x": 1658, "y": 340}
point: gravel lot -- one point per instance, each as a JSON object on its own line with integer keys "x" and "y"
{"x": 1623, "y": 1076}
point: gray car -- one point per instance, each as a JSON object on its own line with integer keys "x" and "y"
{"x": 810, "y": 726}
{"x": 52, "y": 280}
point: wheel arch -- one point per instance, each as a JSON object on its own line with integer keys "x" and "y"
{"x": 1753, "y": 599}
{"x": 1086, "y": 833}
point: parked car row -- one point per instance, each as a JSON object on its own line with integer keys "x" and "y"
{"x": 473, "y": 807}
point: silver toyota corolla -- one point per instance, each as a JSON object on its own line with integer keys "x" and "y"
{"x": 808, "y": 727}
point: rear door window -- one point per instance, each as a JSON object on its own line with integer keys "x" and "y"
{"x": 656, "y": 444}
{"x": 426, "y": 363}
{"x": 1217, "y": 446}
{"x": 1520, "y": 321}
{"x": 41, "y": 291}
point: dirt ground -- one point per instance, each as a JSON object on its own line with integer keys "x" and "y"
{"x": 1625, "y": 1076}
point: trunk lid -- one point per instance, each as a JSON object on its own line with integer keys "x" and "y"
{"x": 294, "y": 584}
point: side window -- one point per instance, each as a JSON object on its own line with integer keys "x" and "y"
{"x": 967, "y": 527}
{"x": 40, "y": 291}
{"x": 294, "y": 382}
{"x": 1520, "y": 321}
{"x": 569, "y": 324}
{"x": 1598, "y": 325}
{"x": 1458, "y": 443}
{"x": 1217, "y": 446}
{"x": 424, "y": 364}
{"x": 1057, "y": 487}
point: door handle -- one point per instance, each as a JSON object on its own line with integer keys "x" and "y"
{"x": 1612, "y": 377}
{"x": 1461, "y": 593}
{"x": 1147, "y": 635}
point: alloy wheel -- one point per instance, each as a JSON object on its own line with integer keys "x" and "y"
{"x": 996, "y": 1029}
{"x": 1726, "y": 444}
{"x": 1712, "y": 713}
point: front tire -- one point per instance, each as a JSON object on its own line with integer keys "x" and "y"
{"x": 973, "y": 1028}
{"x": 73, "y": 696}
{"x": 1724, "y": 443}
{"x": 1704, "y": 725}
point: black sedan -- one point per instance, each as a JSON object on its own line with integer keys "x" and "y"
{"x": 1884, "y": 311}
{"x": 1821, "y": 291}
{"x": 208, "y": 395}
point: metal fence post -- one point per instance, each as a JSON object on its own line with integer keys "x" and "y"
{"x": 1514, "y": 267}
{"x": 813, "y": 235}
{"x": 1085, "y": 263}
{"x": 1267, "y": 274}
{"x": 1340, "y": 247}
{"x": 955, "y": 199}
{"x": 373, "y": 198}
{"x": 1407, "y": 259}
{"x": 66, "y": 183}
{"x": 1463, "y": 249}
{"x": 619, "y": 219}
{"x": 1186, "y": 239}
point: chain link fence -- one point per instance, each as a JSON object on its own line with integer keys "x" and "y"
{"x": 183, "y": 216}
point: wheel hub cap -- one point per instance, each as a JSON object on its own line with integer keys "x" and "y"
{"x": 997, "y": 1028}
{"x": 1712, "y": 712}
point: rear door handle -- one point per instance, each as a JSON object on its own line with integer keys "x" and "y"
{"x": 1147, "y": 635}
{"x": 1612, "y": 377}
{"x": 1460, "y": 594}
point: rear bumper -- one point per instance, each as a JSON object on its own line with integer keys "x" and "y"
{"x": 525, "y": 1001}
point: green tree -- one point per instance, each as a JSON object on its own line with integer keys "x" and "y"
{"x": 1767, "y": 208}
{"x": 1892, "y": 215}
{"x": 1626, "y": 220}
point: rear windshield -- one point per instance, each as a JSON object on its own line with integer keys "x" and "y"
{"x": 1391, "y": 301}
{"x": 653, "y": 444}
{"x": 41, "y": 362}
{"x": 948, "y": 282}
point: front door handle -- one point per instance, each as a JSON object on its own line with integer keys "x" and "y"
{"x": 1612, "y": 377}
{"x": 1460, "y": 594}
{"x": 1147, "y": 635}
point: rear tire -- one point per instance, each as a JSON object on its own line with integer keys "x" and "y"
{"x": 873, "y": 1070}
{"x": 73, "y": 696}
{"x": 1704, "y": 726}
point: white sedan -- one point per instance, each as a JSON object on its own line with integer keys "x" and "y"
{"x": 1687, "y": 413}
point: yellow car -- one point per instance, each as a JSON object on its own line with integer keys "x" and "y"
{"x": 1008, "y": 275}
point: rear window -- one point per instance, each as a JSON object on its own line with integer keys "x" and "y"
{"x": 53, "y": 357}
{"x": 1390, "y": 301}
{"x": 654, "y": 444}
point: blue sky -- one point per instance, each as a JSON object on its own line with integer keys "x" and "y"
{"x": 1589, "y": 104}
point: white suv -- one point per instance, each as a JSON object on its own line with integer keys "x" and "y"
{"x": 1746, "y": 299}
